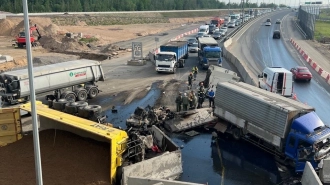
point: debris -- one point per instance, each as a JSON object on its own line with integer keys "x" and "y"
{"x": 192, "y": 133}
{"x": 190, "y": 119}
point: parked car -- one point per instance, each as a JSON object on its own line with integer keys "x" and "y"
{"x": 217, "y": 35}
{"x": 278, "y": 21}
{"x": 231, "y": 25}
{"x": 193, "y": 48}
{"x": 268, "y": 24}
{"x": 191, "y": 41}
{"x": 301, "y": 73}
{"x": 276, "y": 34}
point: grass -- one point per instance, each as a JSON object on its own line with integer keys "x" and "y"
{"x": 325, "y": 14}
{"x": 89, "y": 40}
{"x": 322, "y": 29}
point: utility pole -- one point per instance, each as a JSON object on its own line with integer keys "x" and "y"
{"x": 35, "y": 125}
{"x": 229, "y": 7}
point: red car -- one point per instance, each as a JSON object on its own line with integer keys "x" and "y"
{"x": 301, "y": 73}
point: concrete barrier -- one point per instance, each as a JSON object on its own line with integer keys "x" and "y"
{"x": 147, "y": 181}
{"x": 242, "y": 68}
{"x": 165, "y": 166}
{"x": 309, "y": 176}
{"x": 325, "y": 171}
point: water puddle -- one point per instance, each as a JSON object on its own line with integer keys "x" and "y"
{"x": 124, "y": 111}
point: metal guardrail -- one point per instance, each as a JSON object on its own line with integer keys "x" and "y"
{"x": 299, "y": 28}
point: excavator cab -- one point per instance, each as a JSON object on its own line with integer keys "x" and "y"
{"x": 21, "y": 40}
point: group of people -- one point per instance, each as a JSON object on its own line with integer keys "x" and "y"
{"x": 191, "y": 99}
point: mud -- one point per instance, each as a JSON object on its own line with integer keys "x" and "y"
{"x": 66, "y": 159}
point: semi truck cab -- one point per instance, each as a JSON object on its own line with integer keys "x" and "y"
{"x": 210, "y": 55}
{"x": 308, "y": 140}
{"x": 166, "y": 62}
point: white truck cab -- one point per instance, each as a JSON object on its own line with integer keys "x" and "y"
{"x": 277, "y": 80}
{"x": 166, "y": 62}
{"x": 204, "y": 28}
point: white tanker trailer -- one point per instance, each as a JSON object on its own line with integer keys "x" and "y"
{"x": 78, "y": 75}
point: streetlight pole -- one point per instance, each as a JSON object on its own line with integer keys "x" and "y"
{"x": 35, "y": 126}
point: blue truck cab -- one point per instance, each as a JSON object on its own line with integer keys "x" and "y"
{"x": 308, "y": 140}
{"x": 209, "y": 52}
{"x": 172, "y": 55}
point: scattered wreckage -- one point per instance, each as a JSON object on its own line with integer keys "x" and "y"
{"x": 172, "y": 121}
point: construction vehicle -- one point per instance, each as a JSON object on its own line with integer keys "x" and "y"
{"x": 142, "y": 152}
{"x": 72, "y": 80}
{"x": 286, "y": 128}
{"x": 21, "y": 39}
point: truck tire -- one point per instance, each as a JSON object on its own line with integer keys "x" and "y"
{"x": 174, "y": 70}
{"x": 81, "y": 95}
{"x": 93, "y": 92}
{"x": 93, "y": 108}
{"x": 69, "y": 96}
{"x": 83, "y": 113}
{"x": 72, "y": 107}
{"x": 237, "y": 133}
{"x": 60, "y": 104}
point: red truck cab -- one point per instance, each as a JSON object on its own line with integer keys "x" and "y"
{"x": 217, "y": 21}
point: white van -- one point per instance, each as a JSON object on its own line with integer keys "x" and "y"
{"x": 277, "y": 80}
{"x": 204, "y": 28}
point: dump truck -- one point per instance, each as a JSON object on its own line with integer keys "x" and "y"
{"x": 289, "y": 129}
{"x": 209, "y": 52}
{"x": 143, "y": 152}
{"x": 172, "y": 55}
{"x": 72, "y": 80}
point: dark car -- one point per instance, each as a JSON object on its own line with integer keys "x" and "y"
{"x": 301, "y": 73}
{"x": 216, "y": 35}
{"x": 268, "y": 20}
{"x": 212, "y": 28}
{"x": 276, "y": 34}
{"x": 191, "y": 42}
{"x": 278, "y": 21}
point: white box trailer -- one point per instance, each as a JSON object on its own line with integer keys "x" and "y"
{"x": 80, "y": 75}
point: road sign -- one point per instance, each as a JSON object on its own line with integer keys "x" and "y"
{"x": 137, "y": 50}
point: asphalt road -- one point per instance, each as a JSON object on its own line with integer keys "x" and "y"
{"x": 258, "y": 48}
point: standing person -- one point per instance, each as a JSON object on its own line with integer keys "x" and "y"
{"x": 190, "y": 78}
{"x": 190, "y": 98}
{"x": 178, "y": 102}
{"x": 194, "y": 99}
{"x": 185, "y": 102}
{"x": 211, "y": 98}
{"x": 195, "y": 71}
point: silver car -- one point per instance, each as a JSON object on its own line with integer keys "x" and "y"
{"x": 193, "y": 48}
{"x": 231, "y": 25}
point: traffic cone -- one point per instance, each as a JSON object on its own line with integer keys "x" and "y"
{"x": 294, "y": 97}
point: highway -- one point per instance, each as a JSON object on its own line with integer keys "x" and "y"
{"x": 259, "y": 50}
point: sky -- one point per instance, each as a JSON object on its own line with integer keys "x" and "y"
{"x": 287, "y": 2}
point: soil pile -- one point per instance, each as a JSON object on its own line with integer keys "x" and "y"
{"x": 41, "y": 24}
{"x": 110, "y": 48}
{"x": 6, "y": 26}
{"x": 65, "y": 44}
{"x": 67, "y": 159}
{"x": 52, "y": 29}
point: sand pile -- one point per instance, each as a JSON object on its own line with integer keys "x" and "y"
{"x": 67, "y": 159}
{"x": 41, "y": 23}
{"x": 65, "y": 44}
{"x": 53, "y": 29}
{"x": 6, "y": 26}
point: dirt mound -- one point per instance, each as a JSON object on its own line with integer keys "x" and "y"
{"x": 41, "y": 23}
{"x": 6, "y": 26}
{"x": 52, "y": 29}
{"x": 110, "y": 48}
{"x": 61, "y": 45}
{"x": 63, "y": 161}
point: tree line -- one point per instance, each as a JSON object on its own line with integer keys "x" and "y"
{"x": 35, "y": 6}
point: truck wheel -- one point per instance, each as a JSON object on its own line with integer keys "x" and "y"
{"x": 93, "y": 92}
{"x": 93, "y": 108}
{"x": 237, "y": 134}
{"x": 83, "y": 113}
{"x": 82, "y": 95}
{"x": 69, "y": 96}
{"x": 174, "y": 70}
{"x": 60, "y": 104}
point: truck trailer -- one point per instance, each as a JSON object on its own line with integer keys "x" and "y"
{"x": 209, "y": 52}
{"x": 172, "y": 55}
{"x": 78, "y": 75}
{"x": 289, "y": 129}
